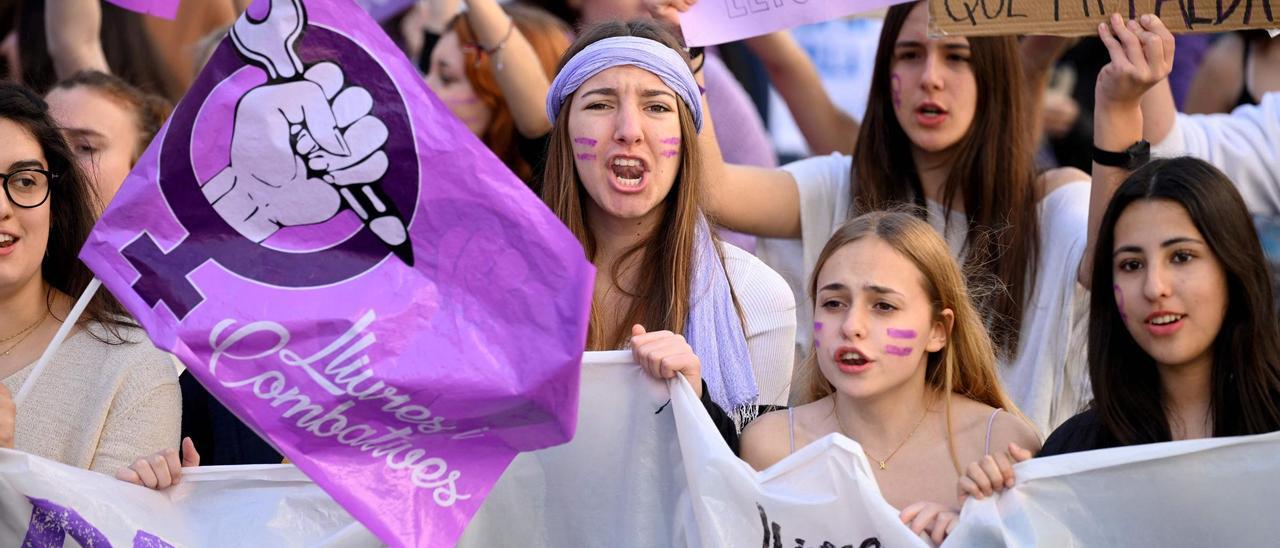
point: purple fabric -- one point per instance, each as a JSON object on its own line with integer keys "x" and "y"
{"x": 739, "y": 129}
{"x": 1191, "y": 50}
{"x": 348, "y": 269}
{"x": 51, "y": 524}
{"x": 167, "y": 9}
{"x": 381, "y": 10}
{"x": 617, "y": 51}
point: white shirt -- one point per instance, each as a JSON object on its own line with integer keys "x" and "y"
{"x": 769, "y": 314}
{"x": 1244, "y": 144}
{"x": 1048, "y": 378}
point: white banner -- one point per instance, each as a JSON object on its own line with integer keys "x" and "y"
{"x": 1210, "y": 492}
{"x": 44, "y": 503}
{"x": 642, "y": 471}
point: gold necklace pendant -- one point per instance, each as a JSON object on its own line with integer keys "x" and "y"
{"x": 884, "y": 463}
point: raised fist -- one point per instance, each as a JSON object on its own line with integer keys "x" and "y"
{"x": 293, "y": 146}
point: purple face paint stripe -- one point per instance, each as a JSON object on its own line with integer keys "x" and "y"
{"x": 670, "y": 153}
{"x": 586, "y": 156}
{"x": 902, "y": 333}
{"x": 817, "y": 326}
{"x": 897, "y": 350}
{"x": 1120, "y": 302}
{"x": 670, "y": 141}
{"x": 585, "y": 141}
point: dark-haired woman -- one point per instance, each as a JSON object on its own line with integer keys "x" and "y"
{"x": 107, "y": 395}
{"x": 948, "y": 127}
{"x": 1185, "y": 345}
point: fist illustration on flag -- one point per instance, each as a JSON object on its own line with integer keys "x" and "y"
{"x": 294, "y": 146}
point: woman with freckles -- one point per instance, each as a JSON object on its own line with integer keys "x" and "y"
{"x": 622, "y": 173}
{"x": 1185, "y": 344}
{"x": 901, "y": 364}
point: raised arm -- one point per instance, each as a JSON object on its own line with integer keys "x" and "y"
{"x": 824, "y": 125}
{"x": 1141, "y": 56}
{"x": 516, "y": 67}
{"x": 754, "y": 200}
{"x": 72, "y": 34}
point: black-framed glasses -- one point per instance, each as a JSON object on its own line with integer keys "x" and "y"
{"x": 27, "y": 188}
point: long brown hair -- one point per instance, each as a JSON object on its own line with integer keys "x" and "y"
{"x": 660, "y": 297}
{"x": 71, "y": 211}
{"x": 966, "y": 365}
{"x": 993, "y": 173}
{"x": 549, "y": 37}
{"x": 1244, "y": 386}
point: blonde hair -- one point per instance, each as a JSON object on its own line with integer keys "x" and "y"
{"x": 966, "y": 365}
{"x": 660, "y": 298}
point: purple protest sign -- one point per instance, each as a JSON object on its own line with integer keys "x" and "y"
{"x": 339, "y": 261}
{"x": 167, "y": 9}
{"x": 711, "y": 22}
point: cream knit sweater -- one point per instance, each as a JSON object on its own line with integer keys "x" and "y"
{"x": 100, "y": 406}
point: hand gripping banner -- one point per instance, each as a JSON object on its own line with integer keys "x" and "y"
{"x": 341, "y": 263}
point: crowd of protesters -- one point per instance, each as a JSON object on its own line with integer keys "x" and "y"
{"x": 987, "y": 265}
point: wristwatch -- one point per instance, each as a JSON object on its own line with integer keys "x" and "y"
{"x": 1130, "y": 158}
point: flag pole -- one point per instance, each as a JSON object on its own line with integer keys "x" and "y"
{"x": 67, "y": 324}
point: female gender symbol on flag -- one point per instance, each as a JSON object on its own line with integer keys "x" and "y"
{"x": 341, "y": 263}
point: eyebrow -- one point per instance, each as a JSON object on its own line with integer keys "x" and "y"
{"x": 602, "y": 91}
{"x": 879, "y": 289}
{"x": 655, "y": 92}
{"x": 613, "y": 92}
{"x": 80, "y": 131}
{"x": 882, "y": 290}
{"x": 1166, "y": 243}
{"x": 24, "y": 164}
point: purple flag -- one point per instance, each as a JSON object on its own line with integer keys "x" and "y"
{"x": 339, "y": 261}
{"x": 382, "y": 10}
{"x": 167, "y": 9}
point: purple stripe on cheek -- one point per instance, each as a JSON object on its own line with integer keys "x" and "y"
{"x": 586, "y": 156}
{"x": 585, "y": 141}
{"x": 1120, "y": 303}
{"x": 670, "y": 141}
{"x": 670, "y": 153}
{"x": 895, "y": 89}
{"x": 902, "y": 333}
{"x": 897, "y": 350}
{"x": 817, "y": 326}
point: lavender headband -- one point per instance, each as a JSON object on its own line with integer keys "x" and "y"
{"x": 644, "y": 53}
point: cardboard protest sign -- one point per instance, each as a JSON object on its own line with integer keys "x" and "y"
{"x": 167, "y": 9}
{"x": 711, "y": 22}
{"x": 1081, "y": 17}
{"x": 347, "y": 268}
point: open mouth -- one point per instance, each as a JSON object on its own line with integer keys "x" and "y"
{"x": 1166, "y": 319}
{"x": 628, "y": 171}
{"x": 852, "y": 358}
{"x": 930, "y": 113}
{"x": 7, "y": 240}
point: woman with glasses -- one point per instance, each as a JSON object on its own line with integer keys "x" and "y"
{"x": 108, "y": 394}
